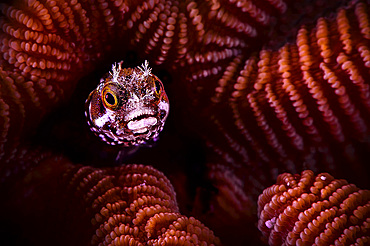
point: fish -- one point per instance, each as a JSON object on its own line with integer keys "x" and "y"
{"x": 129, "y": 106}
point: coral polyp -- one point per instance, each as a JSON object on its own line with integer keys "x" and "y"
{"x": 309, "y": 209}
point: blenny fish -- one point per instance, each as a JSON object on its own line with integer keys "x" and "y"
{"x": 128, "y": 107}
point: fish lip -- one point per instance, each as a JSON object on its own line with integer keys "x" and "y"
{"x": 140, "y": 132}
{"x": 141, "y": 125}
{"x": 136, "y": 113}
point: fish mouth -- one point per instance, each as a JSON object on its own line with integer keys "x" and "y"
{"x": 140, "y": 126}
{"x": 139, "y": 113}
{"x": 140, "y": 121}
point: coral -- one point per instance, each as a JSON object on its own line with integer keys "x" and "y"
{"x": 179, "y": 31}
{"x": 282, "y": 110}
{"x": 305, "y": 105}
{"x": 132, "y": 204}
{"x": 47, "y": 46}
{"x": 229, "y": 206}
{"x": 206, "y": 73}
{"x": 307, "y": 209}
{"x": 231, "y": 196}
{"x": 20, "y": 160}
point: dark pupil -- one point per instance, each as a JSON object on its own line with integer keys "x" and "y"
{"x": 157, "y": 86}
{"x": 109, "y": 98}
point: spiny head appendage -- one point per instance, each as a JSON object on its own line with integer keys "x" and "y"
{"x": 145, "y": 69}
{"x": 142, "y": 72}
{"x": 115, "y": 72}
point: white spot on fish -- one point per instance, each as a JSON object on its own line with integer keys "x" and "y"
{"x": 107, "y": 117}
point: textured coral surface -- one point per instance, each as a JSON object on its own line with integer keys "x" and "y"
{"x": 257, "y": 88}
{"x": 306, "y": 209}
{"x": 132, "y": 204}
{"x": 303, "y": 103}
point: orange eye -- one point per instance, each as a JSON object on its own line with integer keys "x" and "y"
{"x": 158, "y": 85}
{"x": 109, "y": 98}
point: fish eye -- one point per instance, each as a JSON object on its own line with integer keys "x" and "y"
{"x": 158, "y": 86}
{"x": 109, "y": 98}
